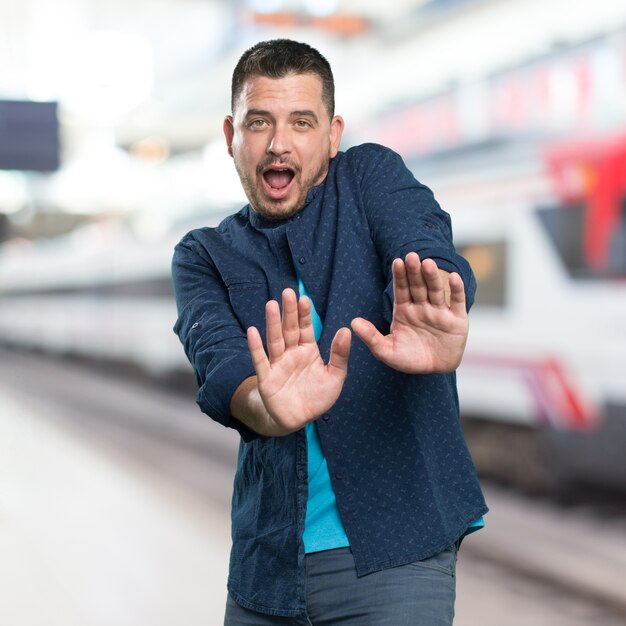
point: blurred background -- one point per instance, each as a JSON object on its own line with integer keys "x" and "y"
{"x": 114, "y": 489}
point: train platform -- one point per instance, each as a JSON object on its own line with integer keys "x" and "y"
{"x": 89, "y": 538}
{"x": 577, "y": 550}
{"x": 114, "y": 511}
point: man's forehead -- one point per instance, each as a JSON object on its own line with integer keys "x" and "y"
{"x": 292, "y": 89}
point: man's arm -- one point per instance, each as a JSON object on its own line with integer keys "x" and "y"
{"x": 429, "y": 286}
{"x": 213, "y": 339}
{"x": 403, "y": 216}
{"x": 292, "y": 385}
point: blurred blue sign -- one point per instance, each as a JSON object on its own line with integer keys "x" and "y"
{"x": 29, "y": 136}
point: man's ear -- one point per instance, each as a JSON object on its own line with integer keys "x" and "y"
{"x": 336, "y": 130}
{"x": 229, "y": 133}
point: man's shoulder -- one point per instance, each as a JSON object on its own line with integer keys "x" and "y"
{"x": 366, "y": 151}
{"x": 366, "y": 157}
{"x": 204, "y": 240}
{"x": 224, "y": 227}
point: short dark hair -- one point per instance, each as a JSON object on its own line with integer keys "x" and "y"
{"x": 277, "y": 58}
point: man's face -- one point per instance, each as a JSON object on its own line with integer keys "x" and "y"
{"x": 281, "y": 139}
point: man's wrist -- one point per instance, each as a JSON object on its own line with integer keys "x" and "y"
{"x": 248, "y": 407}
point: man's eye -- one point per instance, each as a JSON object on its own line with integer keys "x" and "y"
{"x": 302, "y": 124}
{"x": 257, "y": 123}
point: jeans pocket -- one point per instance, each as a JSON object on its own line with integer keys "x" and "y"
{"x": 444, "y": 562}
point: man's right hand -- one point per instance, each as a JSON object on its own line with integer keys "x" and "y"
{"x": 293, "y": 385}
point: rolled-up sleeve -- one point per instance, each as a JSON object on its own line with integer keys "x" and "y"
{"x": 404, "y": 217}
{"x": 212, "y": 337}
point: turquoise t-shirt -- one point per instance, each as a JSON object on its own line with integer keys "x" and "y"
{"x": 323, "y": 528}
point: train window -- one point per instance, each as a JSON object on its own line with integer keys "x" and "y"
{"x": 564, "y": 225}
{"x": 159, "y": 287}
{"x": 156, "y": 287}
{"x": 566, "y": 228}
{"x": 617, "y": 246}
{"x": 489, "y": 262}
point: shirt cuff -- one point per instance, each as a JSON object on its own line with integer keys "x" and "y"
{"x": 215, "y": 394}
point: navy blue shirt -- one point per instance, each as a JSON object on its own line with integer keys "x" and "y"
{"x": 404, "y": 480}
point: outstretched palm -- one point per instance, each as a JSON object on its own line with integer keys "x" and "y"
{"x": 427, "y": 334}
{"x": 295, "y": 384}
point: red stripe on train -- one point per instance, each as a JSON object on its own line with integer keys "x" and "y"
{"x": 556, "y": 400}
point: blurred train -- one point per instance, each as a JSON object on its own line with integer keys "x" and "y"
{"x": 103, "y": 292}
{"x": 543, "y": 381}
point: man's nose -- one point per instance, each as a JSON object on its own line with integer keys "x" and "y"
{"x": 280, "y": 142}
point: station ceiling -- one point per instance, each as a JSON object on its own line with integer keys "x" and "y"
{"x": 163, "y": 67}
{"x": 158, "y": 65}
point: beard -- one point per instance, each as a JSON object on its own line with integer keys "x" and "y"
{"x": 284, "y": 208}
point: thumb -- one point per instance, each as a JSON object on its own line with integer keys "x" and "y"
{"x": 369, "y": 335}
{"x": 340, "y": 351}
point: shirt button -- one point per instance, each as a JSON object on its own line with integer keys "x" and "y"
{"x": 302, "y": 260}
{"x": 339, "y": 476}
{"x": 195, "y": 325}
{"x": 326, "y": 417}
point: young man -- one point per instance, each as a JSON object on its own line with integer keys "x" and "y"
{"x": 354, "y": 485}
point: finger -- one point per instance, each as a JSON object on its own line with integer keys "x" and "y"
{"x": 257, "y": 352}
{"x": 291, "y": 330}
{"x": 305, "y": 322}
{"x": 275, "y": 340}
{"x": 370, "y": 336}
{"x": 434, "y": 283}
{"x": 457, "y": 295}
{"x": 340, "y": 352}
{"x": 401, "y": 293}
{"x": 417, "y": 284}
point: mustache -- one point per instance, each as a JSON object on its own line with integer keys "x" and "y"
{"x": 272, "y": 162}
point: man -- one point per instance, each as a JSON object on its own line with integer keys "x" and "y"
{"x": 354, "y": 486}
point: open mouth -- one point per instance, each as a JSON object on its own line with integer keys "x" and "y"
{"x": 278, "y": 178}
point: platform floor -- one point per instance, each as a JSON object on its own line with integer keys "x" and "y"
{"x": 101, "y": 527}
{"x": 88, "y": 538}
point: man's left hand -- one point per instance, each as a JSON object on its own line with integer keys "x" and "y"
{"x": 429, "y": 327}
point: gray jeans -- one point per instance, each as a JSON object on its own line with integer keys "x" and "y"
{"x": 417, "y": 594}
